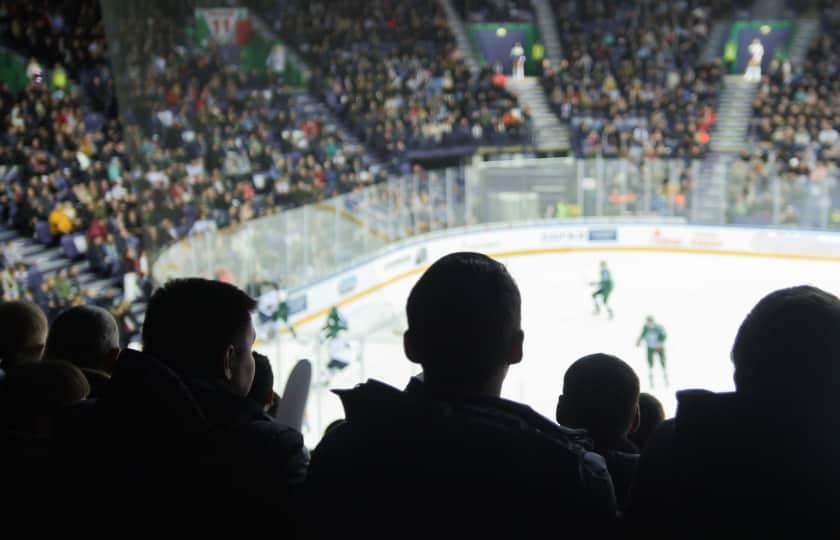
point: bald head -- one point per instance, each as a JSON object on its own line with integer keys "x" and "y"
{"x": 23, "y": 331}
{"x": 86, "y": 336}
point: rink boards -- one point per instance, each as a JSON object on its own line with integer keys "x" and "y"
{"x": 408, "y": 259}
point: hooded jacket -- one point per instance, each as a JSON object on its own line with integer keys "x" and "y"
{"x": 735, "y": 465}
{"x": 416, "y": 464}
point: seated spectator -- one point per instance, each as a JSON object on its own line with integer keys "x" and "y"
{"x": 448, "y": 449}
{"x": 601, "y": 395}
{"x": 190, "y": 386}
{"x": 32, "y": 396}
{"x": 651, "y": 415}
{"x": 87, "y": 337}
{"x": 262, "y": 389}
{"x": 762, "y": 461}
{"x": 24, "y": 332}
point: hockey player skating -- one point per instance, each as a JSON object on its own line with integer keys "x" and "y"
{"x": 653, "y": 334}
{"x": 272, "y": 307}
{"x": 334, "y": 325}
{"x": 339, "y": 347}
{"x": 605, "y": 287}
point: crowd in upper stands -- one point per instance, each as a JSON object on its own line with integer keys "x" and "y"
{"x": 184, "y": 435}
{"x": 478, "y": 11}
{"x": 200, "y": 144}
{"x": 795, "y": 126}
{"x": 392, "y": 71}
{"x": 630, "y": 81}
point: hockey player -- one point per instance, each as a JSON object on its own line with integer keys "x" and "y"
{"x": 605, "y": 287}
{"x": 653, "y": 334}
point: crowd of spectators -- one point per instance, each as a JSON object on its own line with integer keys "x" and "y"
{"x": 630, "y": 83}
{"x": 393, "y": 73}
{"x": 200, "y": 144}
{"x": 206, "y": 146}
{"x": 188, "y": 427}
{"x": 481, "y": 11}
{"x": 795, "y": 127}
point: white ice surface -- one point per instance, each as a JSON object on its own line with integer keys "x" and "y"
{"x": 699, "y": 299}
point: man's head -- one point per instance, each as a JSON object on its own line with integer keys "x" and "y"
{"x": 649, "y": 322}
{"x": 790, "y": 343}
{"x": 86, "y": 336}
{"x": 464, "y": 321}
{"x": 202, "y": 328}
{"x": 23, "y": 332}
{"x": 600, "y": 394}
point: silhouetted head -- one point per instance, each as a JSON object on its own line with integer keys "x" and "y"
{"x": 464, "y": 321}
{"x": 202, "y": 328}
{"x": 601, "y": 395}
{"x": 789, "y": 344}
{"x": 23, "y": 332}
{"x": 651, "y": 414}
{"x": 262, "y": 389}
{"x": 86, "y": 336}
{"x": 33, "y": 394}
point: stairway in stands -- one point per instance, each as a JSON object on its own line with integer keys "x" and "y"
{"x": 708, "y": 198}
{"x": 734, "y": 114}
{"x": 807, "y": 30}
{"x": 460, "y": 33}
{"x": 549, "y": 134}
{"x": 49, "y": 260}
{"x": 544, "y": 15}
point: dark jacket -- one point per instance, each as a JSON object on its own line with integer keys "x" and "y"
{"x": 622, "y": 458}
{"x": 412, "y": 464}
{"x": 156, "y": 452}
{"x": 728, "y": 465}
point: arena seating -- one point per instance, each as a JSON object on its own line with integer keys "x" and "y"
{"x": 629, "y": 83}
{"x": 397, "y": 79}
{"x": 795, "y": 127}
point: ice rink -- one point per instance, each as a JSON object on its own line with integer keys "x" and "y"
{"x": 699, "y": 299}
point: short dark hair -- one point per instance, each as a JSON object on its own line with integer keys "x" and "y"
{"x": 601, "y": 392}
{"x": 84, "y": 336}
{"x": 790, "y": 341}
{"x": 19, "y": 321}
{"x": 189, "y": 321}
{"x": 461, "y": 313}
{"x": 262, "y": 389}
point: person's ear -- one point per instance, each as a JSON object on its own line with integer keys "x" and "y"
{"x": 637, "y": 420}
{"x": 409, "y": 347}
{"x": 515, "y": 347}
{"x": 229, "y": 359}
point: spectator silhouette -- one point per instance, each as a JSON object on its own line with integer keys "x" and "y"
{"x": 24, "y": 331}
{"x": 651, "y": 414}
{"x": 262, "y": 389}
{"x": 87, "y": 337}
{"x": 179, "y": 438}
{"x": 32, "y": 396}
{"x": 761, "y": 461}
{"x": 601, "y": 395}
{"x": 448, "y": 456}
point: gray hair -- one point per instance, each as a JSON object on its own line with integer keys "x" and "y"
{"x": 84, "y": 336}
